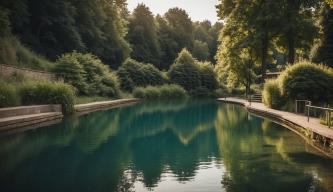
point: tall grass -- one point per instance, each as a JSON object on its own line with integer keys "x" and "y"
{"x": 23, "y": 91}
{"x": 12, "y": 52}
{"x": 8, "y": 95}
{"x": 272, "y": 96}
{"x": 48, "y": 93}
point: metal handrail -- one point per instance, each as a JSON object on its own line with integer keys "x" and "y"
{"x": 326, "y": 109}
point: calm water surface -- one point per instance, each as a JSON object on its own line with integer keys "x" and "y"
{"x": 174, "y": 146}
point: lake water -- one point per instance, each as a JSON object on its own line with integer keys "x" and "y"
{"x": 194, "y": 145}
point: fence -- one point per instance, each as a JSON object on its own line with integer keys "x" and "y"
{"x": 324, "y": 113}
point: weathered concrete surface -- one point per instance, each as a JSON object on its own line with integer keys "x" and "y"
{"x": 83, "y": 108}
{"x": 28, "y": 110}
{"x": 17, "y": 117}
{"x": 299, "y": 120}
{"x": 27, "y": 120}
{"x": 39, "y": 115}
{"x": 9, "y": 70}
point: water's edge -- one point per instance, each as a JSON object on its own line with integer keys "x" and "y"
{"x": 319, "y": 142}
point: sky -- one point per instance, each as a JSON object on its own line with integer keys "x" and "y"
{"x": 198, "y": 10}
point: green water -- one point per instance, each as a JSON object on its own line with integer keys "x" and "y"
{"x": 173, "y": 146}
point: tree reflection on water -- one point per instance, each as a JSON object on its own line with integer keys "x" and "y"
{"x": 115, "y": 149}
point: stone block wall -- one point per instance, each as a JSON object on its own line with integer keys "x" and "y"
{"x": 9, "y": 70}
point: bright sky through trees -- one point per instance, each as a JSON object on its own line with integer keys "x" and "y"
{"x": 198, "y": 10}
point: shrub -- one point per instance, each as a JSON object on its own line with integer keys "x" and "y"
{"x": 185, "y": 71}
{"x": 71, "y": 71}
{"x": 272, "y": 96}
{"x": 109, "y": 86}
{"x": 160, "y": 92}
{"x": 200, "y": 92}
{"x": 135, "y": 74}
{"x": 8, "y": 95}
{"x": 208, "y": 78}
{"x": 88, "y": 74}
{"x": 48, "y": 93}
{"x": 172, "y": 92}
{"x": 193, "y": 75}
{"x": 306, "y": 80}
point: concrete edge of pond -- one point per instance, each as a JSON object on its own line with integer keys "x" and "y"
{"x": 317, "y": 139}
{"x": 17, "y": 119}
{"x": 83, "y": 109}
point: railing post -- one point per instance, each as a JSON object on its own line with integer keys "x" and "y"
{"x": 308, "y": 111}
{"x": 296, "y": 107}
{"x": 329, "y": 116}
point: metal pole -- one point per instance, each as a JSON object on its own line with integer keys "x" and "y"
{"x": 296, "y": 106}
{"x": 308, "y": 111}
{"x": 329, "y": 119}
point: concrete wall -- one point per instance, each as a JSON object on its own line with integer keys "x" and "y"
{"x": 28, "y": 110}
{"x": 9, "y": 70}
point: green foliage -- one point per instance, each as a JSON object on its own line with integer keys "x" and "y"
{"x": 208, "y": 78}
{"x": 63, "y": 25}
{"x": 323, "y": 51}
{"x": 84, "y": 99}
{"x": 142, "y": 35}
{"x": 190, "y": 74}
{"x": 5, "y": 28}
{"x": 88, "y": 74}
{"x": 206, "y": 40}
{"x": 254, "y": 30}
{"x": 8, "y": 95}
{"x": 160, "y": 92}
{"x": 135, "y": 74}
{"x": 330, "y": 2}
{"x": 272, "y": 96}
{"x": 185, "y": 71}
{"x": 201, "y": 50}
{"x": 175, "y": 32}
{"x": 48, "y": 93}
{"x": 306, "y": 80}
{"x": 12, "y": 52}
{"x": 201, "y": 92}
{"x": 71, "y": 71}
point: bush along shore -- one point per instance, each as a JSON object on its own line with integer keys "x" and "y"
{"x": 301, "y": 81}
{"x": 85, "y": 78}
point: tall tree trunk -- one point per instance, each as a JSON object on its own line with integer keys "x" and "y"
{"x": 291, "y": 47}
{"x": 264, "y": 51}
{"x": 292, "y": 6}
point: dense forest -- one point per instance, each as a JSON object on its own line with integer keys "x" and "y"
{"x": 102, "y": 49}
{"x": 106, "y": 29}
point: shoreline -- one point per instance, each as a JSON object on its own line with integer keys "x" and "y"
{"x": 314, "y": 137}
{"x": 24, "y": 118}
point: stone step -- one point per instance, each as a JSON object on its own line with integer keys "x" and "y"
{"x": 27, "y": 120}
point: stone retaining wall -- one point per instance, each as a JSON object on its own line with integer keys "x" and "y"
{"x": 28, "y": 110}
{"x": 9, "y": 70}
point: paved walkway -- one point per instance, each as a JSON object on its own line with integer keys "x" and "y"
{"x": 300, "y": 120}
